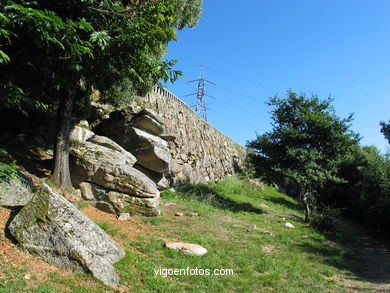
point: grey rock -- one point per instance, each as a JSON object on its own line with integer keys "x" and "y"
{"x": 161, "y": 180}
{"x": 163, "y": 183}
{"x": 123, "y": 203}
{"x": 168, "y": 137}
{"x": 80, "y": 134}
{"x": 149, "y": 124}
{"x": 124, "y": 217}
{"x": 154, "y": 158}
{"x": 110, "y": 144}
{"x": 256, "y": 183}
{"x": 52, "y": 228}
{"x": 109, "y": 166}
{"x": 17, "y": 192}
{"x": 118, "y": 203}
{"x": 83, "y": 123}
{"x": 140, "y": 138}
{"x": 86, "y": 191}
{"x": 150, "y": 113}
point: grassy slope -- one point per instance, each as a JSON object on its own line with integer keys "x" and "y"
{"x": 270, "y": 258}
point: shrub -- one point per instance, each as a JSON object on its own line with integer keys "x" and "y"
{"x": 324, "y": 218}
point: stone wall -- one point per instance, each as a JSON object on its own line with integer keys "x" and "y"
{"x": 199, "y": 152}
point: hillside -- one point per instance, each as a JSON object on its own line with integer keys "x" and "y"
{"x": 243, "y": 230}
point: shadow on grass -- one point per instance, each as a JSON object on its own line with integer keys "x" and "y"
{"x": 285, "y": 202}
{"x": 204, "y": 193}
{"x": 345, "y": 251}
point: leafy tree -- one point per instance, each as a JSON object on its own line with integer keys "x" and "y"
{"x": 187, "y": 13}
{"x": 374, "y": 196}
{"x": 305, "y": 147}
{"x": 386, "y": 129}
{"x": 57, "y": 51}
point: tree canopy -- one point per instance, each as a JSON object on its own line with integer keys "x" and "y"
{"x": 56, "y": 52}
{"x": 51, "y": 44}
{"x": 306, "y": 145}
{"x": 386, "y": 129}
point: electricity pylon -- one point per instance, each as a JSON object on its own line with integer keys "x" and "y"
{"x": 200, "y": 107}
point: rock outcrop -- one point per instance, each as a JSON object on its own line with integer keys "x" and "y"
{"x": 105, "y": 174}
{"x": 119, "y": 203}
{"x": 52, "y": 228}
{"x": 141, "y": 132}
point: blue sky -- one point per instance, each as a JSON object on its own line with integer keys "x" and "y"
{"x": 255, "y": 49}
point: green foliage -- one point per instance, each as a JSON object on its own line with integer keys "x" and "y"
{"x": 187, "y": 12}
{"x": 306, "y": 145}
{"x": 386, "y": 129}
{"x": 51, "y": 49}
{"x": 374, "y": 201}
{"x": 366, "y": 194}
{"x": 8, "y": 167}
{"x": 56, "y": 52}
{"x": 324, "y": 218}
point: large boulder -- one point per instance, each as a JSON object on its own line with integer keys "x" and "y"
{"x": 139, "y": 131}
{"x": 162, "y": 180}
{"x": 133, "y": 128}
{"x": 149, "y": 120}
{"x": 141, "y": 138}
{"x": 154, "y": 158}
{"x": 105, "y": 163}
{"x": 80, "y": 134}
{"x": 52, "y": 228}
{"x": 119, "y": 203}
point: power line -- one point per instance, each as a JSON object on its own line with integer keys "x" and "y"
{"x": 242, "y": 109}
{"x": 236, "y": 120}
{"x": 200, "y": 106}
{"x": 242, "y": 95}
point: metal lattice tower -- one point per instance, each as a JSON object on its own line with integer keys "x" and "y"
{"x": 200, "y": 107}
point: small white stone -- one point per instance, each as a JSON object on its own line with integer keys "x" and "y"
{"x": 289, "y": 225}
{"x": 188, "y": 248}
{"x": 124, "y": 217}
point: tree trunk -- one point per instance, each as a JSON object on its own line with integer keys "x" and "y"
{"x": 61, "y": 172}
{"x": 307, "y": 212}
{"x": 304, "y": 197}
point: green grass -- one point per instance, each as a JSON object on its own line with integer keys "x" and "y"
{"x": 301, "y": 259}
{"x": 109, "y": 229}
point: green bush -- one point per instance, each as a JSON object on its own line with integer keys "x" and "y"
{"x": 374, "y": 201}
{"x": 365, "y": 194}
{"x": 324, "y": 218}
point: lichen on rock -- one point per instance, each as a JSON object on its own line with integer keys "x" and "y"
{"x": 52, "y": 228}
